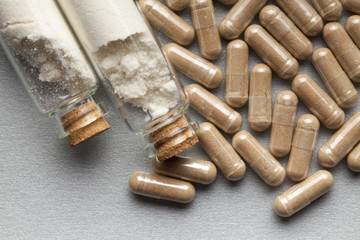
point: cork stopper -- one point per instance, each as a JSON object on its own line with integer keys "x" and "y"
{"x": 173, "y": 138}
{"x": 84, "y": 122}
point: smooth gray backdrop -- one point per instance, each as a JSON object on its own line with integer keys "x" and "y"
{"x": 51, "y": 191}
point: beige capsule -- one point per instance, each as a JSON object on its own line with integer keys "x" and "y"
{"x": 352, "y": 5}
{"x": 341, "y": 143}
{"x": 161, "y": 187}
{"x": 283, "y": 122}
{"x": 177, "y": 5}
{"x": 188, "y": 169}
{"x": 239, "y": 17}
{"x": 221, "y": 152}
{"x": 285, "y": 31}
{"x": 259, "y": 159}
{"x": 334, "y": 77}
{"x": 353, "y": 159}
{"x": 344, "y": 49}
{"x": 228, "y": 2}
{"x": 213, "y": 109}
{"x": 303, "y": 15}
{"x": 318, "y": 102}
{"x": 302, "y": 147}
{"x": 260, "y": 102}
{"x": 207, "y": 32}
{"x": 330, "y": 10}
{"x": 271, "y": 52}
{"x": 195, "y": 67}
{"x": 353, "y": 28}
{"x": 162, "y": 18}
{"x": 237, "y": 74}
{"x": 302, "y": 194}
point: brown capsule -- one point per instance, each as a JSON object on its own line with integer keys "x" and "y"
{"x": 318, "y": 102}
{"x": 259, "y": 159}
{"x": 260, "y": 98}
{"x": 161, "y": 187}
{"x": 177, "y": 5}
{"x": 302, "y": 194}
{"x": 344, "y": 49}
{"x": 341, "y": 143}
{"x": 193, "y": 66}
{"x": 205, "y": 24}
{"x": 334, "y": 77}
{"x": 352, "y": 5}
{"x": 353, "y": 160}
{"x": 221, "y": 152}
{"x": 188, "y": 169}
{"x": 353, "y": 28}
{"x": 283, "y": 122}
{"x": 302, "y": 147}
{"x": 285, "y": 31}
{"x": 228, "y": 2}
{"x": 237, "y": 74}
{"x": 330, "y": 10}
{"x": 213, "y": 109}
{"x": 162, "y": 18}
{"x": 303, "y": 15}
{"x": 239, "y": 17}
{"x": 271, "y": 52}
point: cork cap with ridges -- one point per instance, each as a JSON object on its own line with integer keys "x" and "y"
{"x": 84, "y": 122}
{"x": 173, "y": 138}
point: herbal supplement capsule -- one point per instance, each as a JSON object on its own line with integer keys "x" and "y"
{"x": 237, "y": 73}
{"x": 352, "y": 5}
{"x": 213, "y": 109}
{"x": 303, "y": 15}
{"x": 162, "y": 18}
{"x": 285, "y": 31}
{"x": 344, "y": 49}
{"x": 259, "y": 159}
{"x": 193, "y": 66}
{"x": 228, "y": 2}
{"x": 318, "y": 102}
{"x": 177, "y": 5}
{"x": 260, "y": 98}
{"x": 353, "y": 160}
{"x": 271, "y": 52}
{"x": 353, "y": 28}
{"x": 239, "y": 17}
{"x": 205, "y": 24}
{"x": 283, "y": 122}
{"x": 330, "y": 10}
{"x": 160, "y": 187}
{"x": 334, "y": 77}
{"x": 221, "y": 152}
{"x": 341, "y": 143}
{"x": 302, "y": 194}
{"x": 302, "y": 147}
{"x": 188, "y": 169}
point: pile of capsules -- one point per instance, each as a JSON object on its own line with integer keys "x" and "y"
{"x": 280, "y": 41}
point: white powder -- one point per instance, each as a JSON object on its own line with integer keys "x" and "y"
{"x": 36, "y": 30}
{"x": 127, "y": 55}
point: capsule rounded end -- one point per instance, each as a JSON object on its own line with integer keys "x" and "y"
{"x": 279, "y": 179}
{"x": 308, "y": 121}
{"x": 135, "y": 180}
{"x": 267, "y": 14}
{"x": 278, "y": 152}
{"x": 216, "y": 79}
{"x": 259, "y": 126}
{"x": 236, "y": 101}
{"x": 189, "y": 194}
{"x": 329, "y": 28}
{"x": 336, "y": 120}
{"x": 353, "y": 162}
{"x": 305, "y": 52}
{"x": 211, "y": 175}
{"x": 188, "y": 37}
{"x": 315, "y": 28}
{"x": 333, "y": 14}
{"x": 352, "y": 22}
{"x": 177, "y": 5}
{"x": 228, "y": 30}
{"x": 211, "y": 54}
{"x": 279, "y": 207}
{"x": 295, "y": 176}
{"x": 326, "y": 157}
{"x": 291, "y": 69}
{"x": 287, "y": 98}
{"x": 350, "y": 101}
{"x": 238, "y": 173}
{"x": 235, "y": 125}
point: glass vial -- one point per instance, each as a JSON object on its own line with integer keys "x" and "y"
{"x": 138, "y": 77}
{"x": 52, "y": 67}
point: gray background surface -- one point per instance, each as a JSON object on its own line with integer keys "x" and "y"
{"x": 50, "y": 191}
